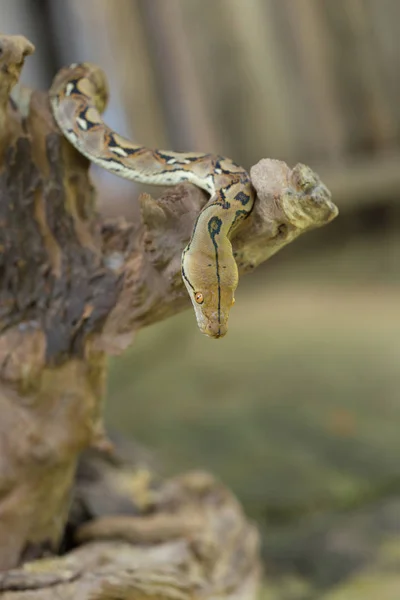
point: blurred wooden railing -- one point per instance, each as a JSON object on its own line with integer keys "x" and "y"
{"x": 307, "y": 80}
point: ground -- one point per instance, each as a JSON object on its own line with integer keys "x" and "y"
{"x": 297, "y": 410}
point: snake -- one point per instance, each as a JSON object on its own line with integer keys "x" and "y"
{"x": 78, "y": 96}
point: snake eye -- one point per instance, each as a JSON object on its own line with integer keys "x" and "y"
{"x": 199, "y": 297}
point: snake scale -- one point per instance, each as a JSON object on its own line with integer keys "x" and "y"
{"x": 78, "y": 96}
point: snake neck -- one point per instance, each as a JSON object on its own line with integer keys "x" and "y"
{"x": 220, "y": 218}
{"x": 231, "y": 203}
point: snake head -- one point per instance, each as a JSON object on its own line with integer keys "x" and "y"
{"x": 211, "y": 286}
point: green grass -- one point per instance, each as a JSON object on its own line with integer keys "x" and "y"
{"x": 298, "y": 404}
{"x": 297, "y": 409}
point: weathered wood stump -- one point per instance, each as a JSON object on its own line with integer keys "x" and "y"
{"x": 74, "y": 287}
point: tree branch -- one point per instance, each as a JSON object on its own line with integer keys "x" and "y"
{"x": 289, "y": 203}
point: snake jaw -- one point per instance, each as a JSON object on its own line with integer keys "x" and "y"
{"x": 212, "y": 322}
{"x": 209, "y": 324}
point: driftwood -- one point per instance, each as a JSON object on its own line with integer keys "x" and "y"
{"x": 182, "y": 538}
{"x": 74, "y": 288}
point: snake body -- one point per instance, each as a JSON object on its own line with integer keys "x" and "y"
{"x": 78, "y": 96}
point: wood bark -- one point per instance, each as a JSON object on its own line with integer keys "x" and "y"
{"x": 74, "y": 288}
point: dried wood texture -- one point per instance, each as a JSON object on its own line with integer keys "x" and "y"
{"x": 183, "y": 538}
{"x": 75, "y": 287}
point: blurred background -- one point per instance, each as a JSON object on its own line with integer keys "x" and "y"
{"x": 298, "y": 408}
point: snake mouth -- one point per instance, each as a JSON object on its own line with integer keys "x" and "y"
{"x": 219, "y": 335}
{"x": 214, "y": 330}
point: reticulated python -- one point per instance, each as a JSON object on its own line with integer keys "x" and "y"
{"x": 78, "y": 96}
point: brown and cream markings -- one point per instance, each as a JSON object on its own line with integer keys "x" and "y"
{"x": 78, "y": 96}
